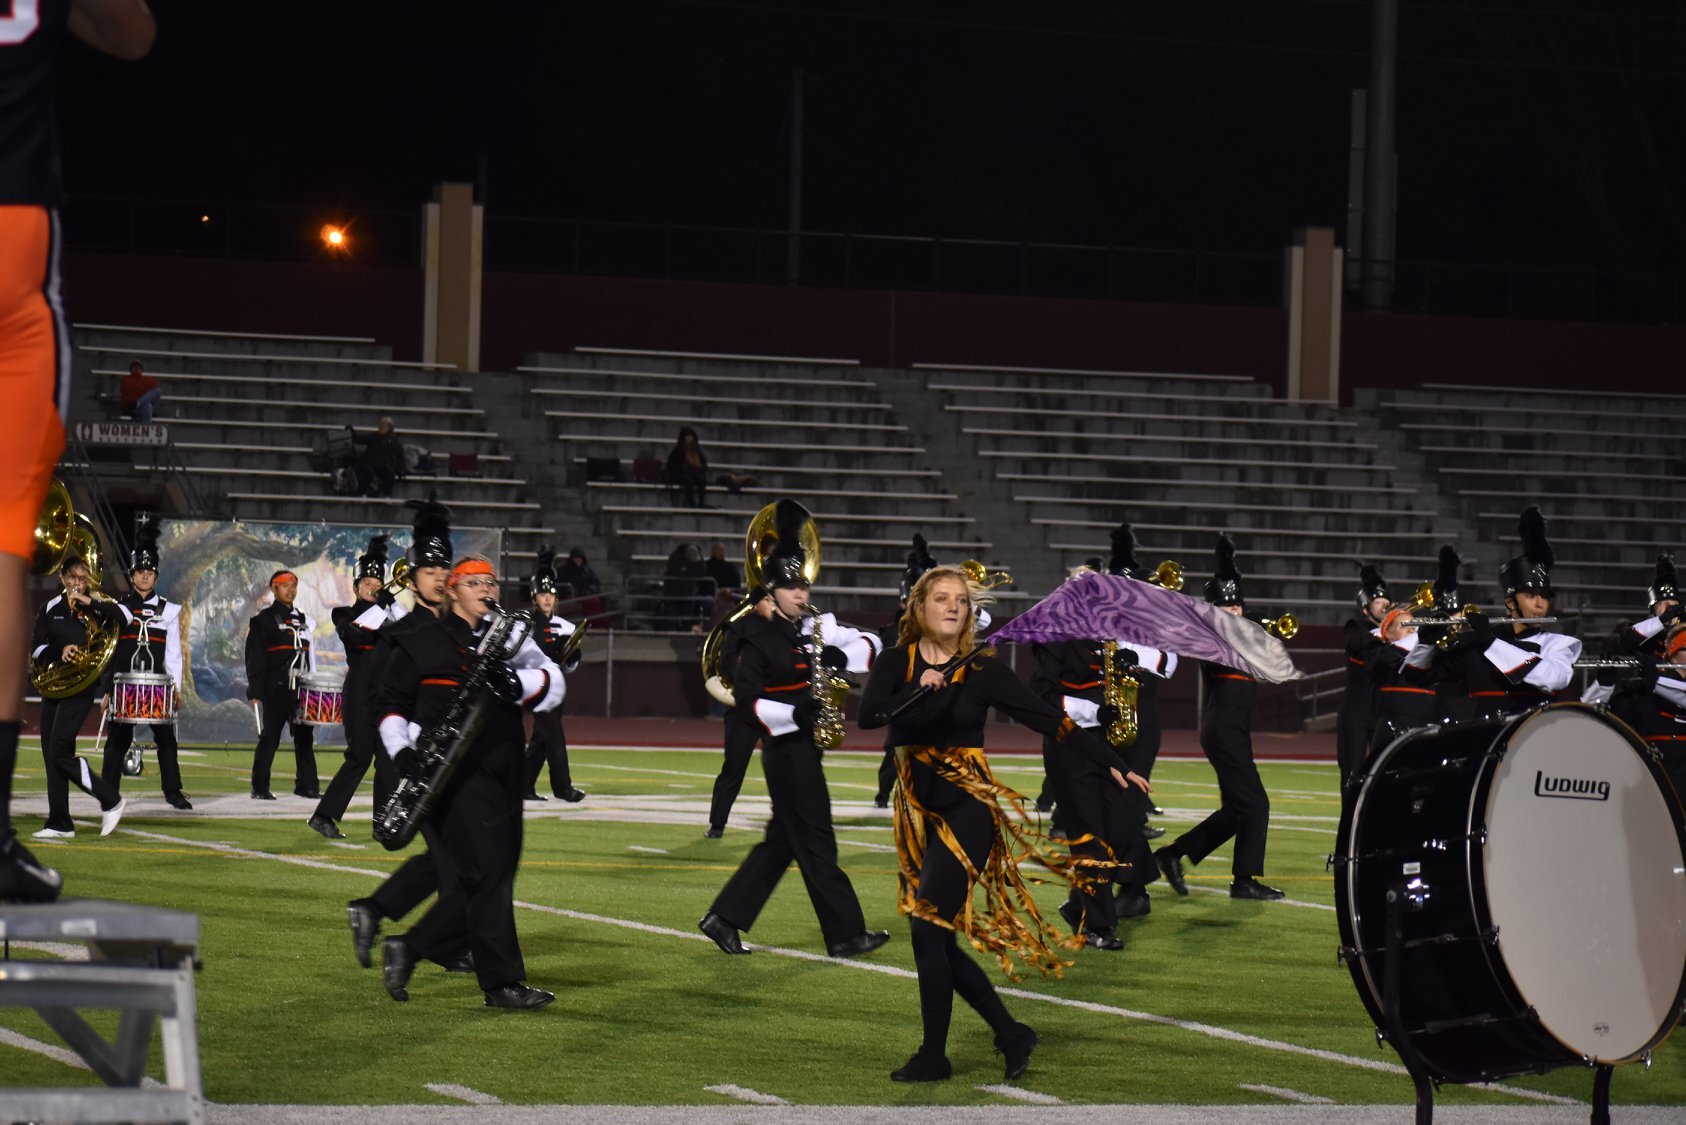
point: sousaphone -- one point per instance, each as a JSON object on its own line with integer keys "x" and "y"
{"x": 759, "y": 541}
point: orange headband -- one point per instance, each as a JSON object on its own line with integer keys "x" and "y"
{"x": 467, "y": 567}
{"x": 285, "y": 576}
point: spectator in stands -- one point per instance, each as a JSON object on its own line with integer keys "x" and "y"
{"x": 687, "y": 469}
{"x": 687, "y": 590}
{"x": 577, "y": 575}
{"x": 383, "y": 459}
{"x": 725, "y": 575}
{"x": 141, "y": 393}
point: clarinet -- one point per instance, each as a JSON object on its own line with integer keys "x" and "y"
{"x": 443, "y": 746}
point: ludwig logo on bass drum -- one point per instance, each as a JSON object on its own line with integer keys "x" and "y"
{"x": 1574, "y": 788}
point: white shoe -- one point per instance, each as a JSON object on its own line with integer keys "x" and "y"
{"x": 110, "y": 817}
{"x": 53, "y": 834}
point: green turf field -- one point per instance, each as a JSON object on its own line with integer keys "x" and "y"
{"x": 1209, "y": 996}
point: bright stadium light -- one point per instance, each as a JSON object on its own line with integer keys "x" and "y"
{"x": 334, "y": 238}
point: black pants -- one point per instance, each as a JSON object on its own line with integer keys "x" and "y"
{"x": 799, "y": 830}
{"x": 277, "y": 713}
{"x": 548, "y": 744}
{"x": 1144, "y": 752}
{"x": 475, "y": 840}
{"x": 120, "y": 736}
{"x": 692, "y": 487}
{"x": 362, "y": 744}
{"x": 406, "y": 888}
{"x": 943, "y": 966}
{"x": 886, "y": 774}
{"x": 1095, "y": 806}
{"x": 60, "y": 720}
{"x": 740, "y": 739}
{"x": 1353, "y": 728}
{"x": 1243, "y": 813}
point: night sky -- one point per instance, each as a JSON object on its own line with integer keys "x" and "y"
{"x": 1546, "y": 133}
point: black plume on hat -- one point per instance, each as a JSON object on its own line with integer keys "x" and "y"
{"x": 1446, "y": 583}
{"x": 1123, "y": 560}
{"x": 1371, "y": 584}
{"x": 145, "y": 554}
{"x": 372, "y": 563}
{"x": 919, "y": 560}
{"x": 1530, "y": 572}
{"x": 1225, "y": 585}
{"x": 1666, "y": 585}
{"x": 544, "y": 574}
{"x": 430, "y": 538}
{"x": 783, "y": 565}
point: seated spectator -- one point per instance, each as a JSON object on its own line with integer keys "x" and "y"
{"x": 578, "y": 576}
{"x": 382, "y": 461}
{"x": 141, "y": 393}
{"x": 687, "y": 469}
{"x": 687, "y": 590}
{"x": 725, "y": 575}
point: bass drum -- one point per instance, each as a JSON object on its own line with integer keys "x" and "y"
{"x": 1544, "y": 859}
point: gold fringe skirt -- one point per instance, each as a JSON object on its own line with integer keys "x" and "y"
{"x": 1008, "y": 924}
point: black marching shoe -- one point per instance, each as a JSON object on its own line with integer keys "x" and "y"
{"x": 1151, "y": 832}
{"x": 534, "y": 795}
{"x": 176, "y": 799}
{"x": 1073, "y": 915}
{"x": 397, "y": 963}
{"x": 725, "y": 934}
{"x": 1132, "y": 903}
{"x": 1044, "y": 802}
{"x": 518, "y": 996}
{"x": 1171, "y": 866}
{"x": 714, "y": 832}
{"x": 313, "y": 793}
{"x": 22, "y": 877}
{"x": 881, "y": 801}
{"x": 462, "y": 964}
{"x": 924, "y": 1068}
{"x": 1104, "y": 939}
{"x": 861, "y": 943}
{"x": 572, "y": 796}
{"x": 328, "y": 829}
{"x": 365, "y": 927}
{"x": 1253, "y": 889}
{"x": 262, "y": 795}
{"x": 1015, "y": 1046}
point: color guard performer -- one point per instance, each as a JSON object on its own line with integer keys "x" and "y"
{"x": 774, "y": 685}
{"x": 475, "y": 833}
{"x": 549, "y": 743}
{"x": 150, "y": 642}
{"x": 61, "y": 634}
{"x": 1522, "y": 668}
{"x": 278, "y": 652}
{"x": 1226, "y": 737}
{"x": 357, "y": 625}
{"x": 1363, "y": 639}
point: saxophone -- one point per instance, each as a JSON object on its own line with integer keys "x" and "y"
{"x": 1119, "y": 688}
{"x": 830, "y": 690}
{"x": 444, "y": 745}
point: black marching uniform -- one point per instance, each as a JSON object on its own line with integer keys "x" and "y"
{"x": 278, "y": 651}
{"x": 475, "y": 833}
{"x": 1357, "y": 716}
{"x": 57, "y": 627}
{"x": 150, "y": 641}
{"x": 548, "y": 742}
{"x": 359, "y": 627}
{"x": 739, "y": 732}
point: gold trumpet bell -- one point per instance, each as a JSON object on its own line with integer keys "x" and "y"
{"x": 1168, "y": 575}
{"x": 1284, "y": 627}
{"x": 984, "y": 578}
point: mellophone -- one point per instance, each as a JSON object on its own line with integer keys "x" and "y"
{"x": 320, "y": 699}
{"x": 1527, "y": 877}
{"x": 142, "y": 697}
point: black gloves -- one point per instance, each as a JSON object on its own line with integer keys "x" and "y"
{"x": 1127, "y": 658}
{"x": 505, "y": 684}
{"x": 1607, "y": 676}
{"x": 1431, "y": 634}
{"x": 384, "y": 597}
{"x": 834, "y": 659}
{"x": 1672, "y": 614}
{"x": 1648, "y": 670}
{"x": 807, "y": 710}
{"x": 1480, "y": 628}
{"x": 1106, "y": 715}
{"x": 409, "y": 762}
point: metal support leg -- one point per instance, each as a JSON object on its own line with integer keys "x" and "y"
{"x": 1601, "y": 1094}
{"x": 1396, "y": 1035}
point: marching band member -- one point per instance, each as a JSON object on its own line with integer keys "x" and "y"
{"x": 60, "y": 634}
{"x": 919, "y": 560}
{"x": 357, "y": 625}
{"x": 475, "y": 834}
{"x": 1653, "y": 702}
{"x": 549, "y": 744}
{"x": 774, "y": 685}
{"x": 151, "y": 637}
{"x": 1506, "y": 675}
{"x": 740, "y": 729}
{"x": 1226, "y": 737}
{"x": 951, "y": 829}
{"x": 278, "y": 652}
{"x": 1645, "y": 635}
{"x": 1364, "y": 638}
{"x": 1407, "y": 695}
{"x": 1158, "y": 665}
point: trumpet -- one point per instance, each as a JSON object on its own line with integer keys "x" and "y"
{"x": 1284, "y": 627}
{"x": 984, "y": 578}
{"x": 1168, "y": 575}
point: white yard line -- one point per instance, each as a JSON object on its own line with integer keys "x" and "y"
{"x": 463, "y": 1093}
{"x": 647, "y": 851}
{"x": 1286, "y": 1094}
{"x": 1019, "y": 1095}
{"x": 745, "y": 1094}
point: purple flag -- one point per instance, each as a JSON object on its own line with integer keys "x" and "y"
{"x": 1102, "y": 607}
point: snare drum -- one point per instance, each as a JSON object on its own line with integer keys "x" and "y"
{"x": 320, "y": 697}
{"x": 1544, "y": 859}
{"x": 142, "y": 697}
